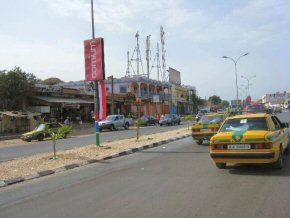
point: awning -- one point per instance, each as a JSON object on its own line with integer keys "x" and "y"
{"x": 50, "y": 99}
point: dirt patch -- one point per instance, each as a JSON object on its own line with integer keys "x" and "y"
{"x": 28, "y": 165}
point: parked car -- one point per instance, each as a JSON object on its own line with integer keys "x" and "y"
{"x": 169, "y": 119}
{"x": 252, "y": 138}
{"x": 207, "y": 126}
{"x": 113, "y": 122}
{"x": 200, "y": 113}
{"x": 148, "y": 120}
{"x": 42, "y": 131}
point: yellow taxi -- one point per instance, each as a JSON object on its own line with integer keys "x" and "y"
{"x": 207, "y": 126}
{"x": 251, "y": 138}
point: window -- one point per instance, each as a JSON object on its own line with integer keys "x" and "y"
{"x": 244, "y": 124}
{"x": 123, "y": 89}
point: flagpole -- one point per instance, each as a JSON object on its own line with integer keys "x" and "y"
{"x": 95, "y": 83}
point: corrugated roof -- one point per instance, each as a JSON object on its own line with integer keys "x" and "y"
{"x": 64, "y": 100}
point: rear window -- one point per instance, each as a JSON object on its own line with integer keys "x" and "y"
{"x": 211, "y": 119}
{"x": 244, "y": 124}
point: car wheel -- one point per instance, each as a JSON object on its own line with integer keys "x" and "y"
{"x": 178, "y": 122}
{"x": 112, "y": 127}
{"x": 221, "y": 165}
{"x": 160, "y": 124}
{"x": 199, "y": 142}
{"x": 40, "y": 137}
{"x": 28, "y": 140}
{"x": 126, "y": 126}
{"x": 279, "y": 163}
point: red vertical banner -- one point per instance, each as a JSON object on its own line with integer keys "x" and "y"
{"x": 94, "y": 59}
{"x": 102, "y": 100}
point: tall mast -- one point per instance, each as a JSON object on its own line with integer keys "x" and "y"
{"x": 148, "y": 53}
{"x": 162, "y": 36}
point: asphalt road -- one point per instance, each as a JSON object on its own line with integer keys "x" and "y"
{"x": 35, "y": 147}
{"x": 174, "y": 180}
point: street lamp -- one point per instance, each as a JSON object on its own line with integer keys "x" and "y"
{"x": 235, "y": 62}
{"x": 248, "y": 80}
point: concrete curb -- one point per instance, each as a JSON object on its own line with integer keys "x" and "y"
{"x": 8, "y": 182}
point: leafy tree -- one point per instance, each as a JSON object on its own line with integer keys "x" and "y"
{"x": 225, "y": 104}
{"x": 197, "y": 101}
{"x": 52, "y": 81}
{"x": 61, "y": 133}
{"x": 214, "y": 100}
{"x": 15, "y": 86}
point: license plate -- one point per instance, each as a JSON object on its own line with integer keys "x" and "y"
{"x": 239, "y": 146}
{"x": 205, "y": 130}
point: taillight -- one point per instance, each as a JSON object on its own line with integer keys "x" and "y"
{"x": 219, "y": 147}
{"x": 267, "y": 145}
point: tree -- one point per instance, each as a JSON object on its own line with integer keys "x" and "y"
{"x": 61, "y": 133}
{"x": 225, "y": 104}
{"x": 214, "y": 100}
{"x": 15, "y": 86}
{"x": 52, "y": 81}
{"x": 197, "y": 101}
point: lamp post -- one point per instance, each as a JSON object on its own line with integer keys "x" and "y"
{"x": 248, "y": 80}
{"x": 235, "y": 62}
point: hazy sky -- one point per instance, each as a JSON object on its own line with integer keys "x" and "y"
{"x": 45, "y": 37}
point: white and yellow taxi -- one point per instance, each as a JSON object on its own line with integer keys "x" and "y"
{"x": 207, "y": 126}
{"x": 251, "y": 138}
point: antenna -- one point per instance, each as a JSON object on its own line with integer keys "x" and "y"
{"x": 138, "y": 55}
{"x": 157, "y": 64}
{"x": 162, "y": 36}
{"x": 128, "y": 65}
{"x": 148, "y": 53}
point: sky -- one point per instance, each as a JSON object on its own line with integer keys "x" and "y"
{"x": 46, "y": 38}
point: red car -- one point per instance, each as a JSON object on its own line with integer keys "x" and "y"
{"x": 255, "y": 108}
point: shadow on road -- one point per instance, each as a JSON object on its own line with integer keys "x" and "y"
{"x": 260, "y": 169}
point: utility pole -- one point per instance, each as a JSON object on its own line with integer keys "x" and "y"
{"x": 95, "y": 84}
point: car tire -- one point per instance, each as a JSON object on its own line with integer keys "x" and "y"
{"x": 126, "y": 126}
{"x": 178, "y": 122}
{"x": 160, "y": 124}
{"x": 280, "y": 162}
{"x": 199, "y": 142}
{"x": 112, "y": 127}
{"x": 28, "y": 140}
{"x": 40, "y": 137}
{"x": 221, "y": 165}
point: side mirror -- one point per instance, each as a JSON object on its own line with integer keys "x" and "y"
{"x": 285, "y": 125}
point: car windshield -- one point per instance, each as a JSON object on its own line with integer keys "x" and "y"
{"x": 244, "y": 124}
{"x": 110, "y": 118}
{"x": 211, "y": 119}
{"x": 40, "y": 127}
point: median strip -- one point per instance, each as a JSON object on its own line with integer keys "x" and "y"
{"x": 32, "y": 167}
